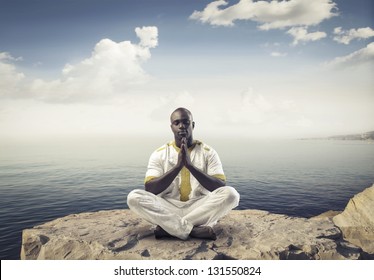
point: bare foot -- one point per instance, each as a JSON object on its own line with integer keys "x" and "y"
{"x": 161, "y": 233}
{"x": 203, "y": 232}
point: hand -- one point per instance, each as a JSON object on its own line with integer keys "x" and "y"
{"x": 184, "y": 153}
{"x": 181, "y": 154}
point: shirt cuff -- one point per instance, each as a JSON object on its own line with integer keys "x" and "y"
{"x": 219, "y": 176}
{"x": 149, "y": 178}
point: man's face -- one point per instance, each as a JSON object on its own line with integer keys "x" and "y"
{"x": 181, "y": 125}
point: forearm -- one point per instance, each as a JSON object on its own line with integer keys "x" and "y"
{"x": 159, "y": 184}
{"x": 209, "y": 182}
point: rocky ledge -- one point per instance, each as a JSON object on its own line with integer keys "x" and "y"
{"x": 243, "y": 234}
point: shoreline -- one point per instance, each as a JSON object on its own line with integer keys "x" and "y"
{"x": 242, "y": 234}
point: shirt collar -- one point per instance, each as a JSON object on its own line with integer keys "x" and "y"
{"x": 189, "y": 149}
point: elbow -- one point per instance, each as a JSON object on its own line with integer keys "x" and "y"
{"x": 147, "y": 187}
{"x": 150, "y": 188}
{"x": 148, "y": 184}
{"x": 221, "y": 182}
{"x": 218, "y": 184}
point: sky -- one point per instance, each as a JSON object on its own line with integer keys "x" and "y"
{"x": 245, "y": 68}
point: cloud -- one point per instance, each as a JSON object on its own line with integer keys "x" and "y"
{"x": 300, "y": 34}
{"x": 302, "y": 122}
{"x": 266, "y": 115}
{"x": 10, "y": 78}
{"x": 6, "y": 56}
{"x": 278, "y": 54}
{"x": 270, "y": 15}
{"x": 167, "y": 103}
{"x": 113, "y": 69}
{"x": 362, "y": 56}
{"x": 346, "y": 36}
{"x": 148, "y": 36}
{"x": 253, "y": 109}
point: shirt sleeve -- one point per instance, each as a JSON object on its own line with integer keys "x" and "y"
{"x": 155, "y": 167}
{"x": 214, "y": 167}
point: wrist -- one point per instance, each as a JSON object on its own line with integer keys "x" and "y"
{"x": 189, "y": 166}
{"x": 179, "y": 166}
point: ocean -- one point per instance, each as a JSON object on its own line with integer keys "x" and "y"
{"x": 44, "y": 180}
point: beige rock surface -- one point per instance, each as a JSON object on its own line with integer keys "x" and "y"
{"x": 243, "y": 234}
{"x": 357, "y": 220}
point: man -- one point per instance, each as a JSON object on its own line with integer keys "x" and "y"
{"x": 185, "y": 192}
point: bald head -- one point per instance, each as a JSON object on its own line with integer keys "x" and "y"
{"x": 181, "y": 109}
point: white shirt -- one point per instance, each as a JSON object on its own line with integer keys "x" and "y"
{"x": 202, "y": 157}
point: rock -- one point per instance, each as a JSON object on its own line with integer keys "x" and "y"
{"x": 243, "y": 234}
{"x": 357, "y": 220}
{"x": 328, "y": 214}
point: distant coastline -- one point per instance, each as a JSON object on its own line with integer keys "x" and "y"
{"x": 367, "y": 136}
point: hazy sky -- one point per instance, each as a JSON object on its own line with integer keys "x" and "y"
{"x": 257, "y": 69}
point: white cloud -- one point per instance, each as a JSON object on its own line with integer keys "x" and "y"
{"x": 257, "y": 116}
{"x": 270, "y": 15}
{"x": 10, "y": 78}
{"x": 301, "y": 122}
{"x": 6, "y": 56}
{"x": 362, "y": 56}
{"x": 287, "y": 105}
{"x": 300, "y": 34}
{"x": 269, "y": 45}
{"x": 253, "y": 109}
{"x": 346, "y": 36}
{"x": 166, "y": 103}
{"x": 112, "y": 69}
{"x": 278, "y": 54}
{"x": 148, "y": 36}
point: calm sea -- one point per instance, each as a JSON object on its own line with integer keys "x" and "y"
{"x": 43, "y": 181}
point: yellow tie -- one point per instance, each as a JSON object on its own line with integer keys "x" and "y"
{"x": 185, "y": 188}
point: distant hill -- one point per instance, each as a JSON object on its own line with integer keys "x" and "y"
{"x": 363, "y": 136}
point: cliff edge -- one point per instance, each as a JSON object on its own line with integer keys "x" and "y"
{"x": 357, "y": 220}
{"x": 243, "y": 234}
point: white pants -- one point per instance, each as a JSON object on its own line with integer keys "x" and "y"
{"x": 178, "y": 220}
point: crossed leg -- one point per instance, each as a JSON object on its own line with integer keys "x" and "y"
{"x": 195, "y": 220}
